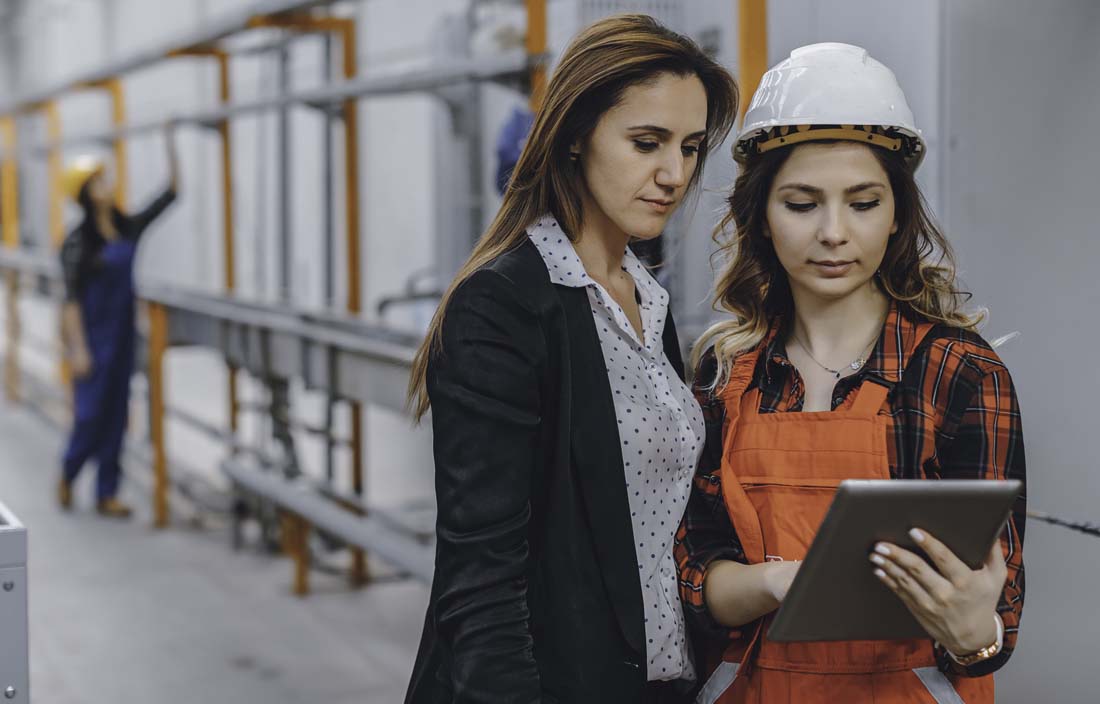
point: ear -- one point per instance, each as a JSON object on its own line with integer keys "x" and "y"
{"x": 894, "y": 228}
{"x": 575, "y": 151}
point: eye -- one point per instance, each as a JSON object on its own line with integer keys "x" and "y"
{"x": 800, "y": 207}
{"x": 690, "y": 150}
{"x": 644, "y": 145}
{"x": 866, "y": 205}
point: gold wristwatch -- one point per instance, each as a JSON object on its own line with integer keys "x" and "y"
{"x": 983, "y": 654}
{"x": 986, "y": 652}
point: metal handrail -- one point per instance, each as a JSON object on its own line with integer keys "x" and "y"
{"x": 205, "y": 37}
{"x": 498, "y": 67}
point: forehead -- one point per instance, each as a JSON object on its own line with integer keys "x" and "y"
{"x": 676, "y": 103}
{"x": 827, "y": 164}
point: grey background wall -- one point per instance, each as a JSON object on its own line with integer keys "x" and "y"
{"x": 1006, "y": 91}
{"x": 1020, "y": 202}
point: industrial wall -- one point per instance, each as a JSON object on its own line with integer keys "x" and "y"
{"x": 1004, "y": 90}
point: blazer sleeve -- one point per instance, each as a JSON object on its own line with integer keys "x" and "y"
{"x": 484, "y": 386}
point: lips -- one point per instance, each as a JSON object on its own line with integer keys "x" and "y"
{"x": 833, "y": 268}
{"x": 659, "y": 205}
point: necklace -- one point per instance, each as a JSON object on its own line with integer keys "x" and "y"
{"x": 855, "y": 365}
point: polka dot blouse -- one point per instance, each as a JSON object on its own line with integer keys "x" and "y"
{"x": 660, "y": 430}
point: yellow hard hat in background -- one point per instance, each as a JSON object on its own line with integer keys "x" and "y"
{"x": 77, "y": 174}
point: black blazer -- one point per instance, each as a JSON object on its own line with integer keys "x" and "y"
{"x": 536, "y": 596}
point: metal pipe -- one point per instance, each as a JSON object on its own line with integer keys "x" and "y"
{"x": 205, "y": 38}
{"x": 12, "y": 386}
{"x": 421, "y": 80}
{"x": 329, "y": 226}
{"x": 283, "y": 128}
{"x": 330, "y": 249}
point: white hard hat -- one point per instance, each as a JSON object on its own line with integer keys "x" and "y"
{"x": 829, "y": 91}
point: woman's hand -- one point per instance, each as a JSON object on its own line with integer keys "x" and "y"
{"x": 778, "y": 578}
{"x": 736, "y": 594}
{"x": 955, "y": 604}
{"x": 81, "y": 363}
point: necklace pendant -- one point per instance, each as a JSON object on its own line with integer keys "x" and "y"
{"x": 858, "y": 364}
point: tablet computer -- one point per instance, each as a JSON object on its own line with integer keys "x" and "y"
{"x": 835, "y": 595}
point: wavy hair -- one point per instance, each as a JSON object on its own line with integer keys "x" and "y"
{"x": 917, "y": 271}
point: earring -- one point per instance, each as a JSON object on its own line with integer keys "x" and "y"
{"x": 574, "y": 156}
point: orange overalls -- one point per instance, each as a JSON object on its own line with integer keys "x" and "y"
{"x": 779, "y": 472}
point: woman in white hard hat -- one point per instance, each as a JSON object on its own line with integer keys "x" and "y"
{"x": 848, "y": 356}
{"x": 97, "y": 322}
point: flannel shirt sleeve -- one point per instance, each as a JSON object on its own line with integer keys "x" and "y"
{"x": 706, "y": 533}
{"x": 987, "y": 443}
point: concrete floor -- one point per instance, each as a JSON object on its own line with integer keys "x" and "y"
{"x": 124, "y": 614}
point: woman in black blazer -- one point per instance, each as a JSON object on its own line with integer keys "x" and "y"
{"x": 550, "y": 584}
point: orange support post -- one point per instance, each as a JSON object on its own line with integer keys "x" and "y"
{"x": 9, "y": 223}
{"x": 228, "y": 231}
{"x": 56, "y": 200}
{"x": 53, "y": 167}
{"x": 9, "y": 188}
{"x": 536, "y": 46}
{"x": 118, "y": 118}
{"x": 296, "y": 544}
{"x": 752, "y": 47}
{"x": 345, "y": 27}
{"x": 158, "y": 345}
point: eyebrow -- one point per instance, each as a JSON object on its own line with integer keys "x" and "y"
{"x": 665, "y": 132}
{"x": 815, "y": 191}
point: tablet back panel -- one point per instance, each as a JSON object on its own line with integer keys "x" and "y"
{"x": 835, "y": 596}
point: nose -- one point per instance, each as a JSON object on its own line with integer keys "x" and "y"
{"x": 833, "y": 231}
{"x": 672, "y": 174}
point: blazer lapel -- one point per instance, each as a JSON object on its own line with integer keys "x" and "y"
{"x": 597, "y": 457}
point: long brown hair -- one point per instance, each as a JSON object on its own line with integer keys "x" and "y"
{"x": 604, "y": 60}
{"x": 917, "y": 271}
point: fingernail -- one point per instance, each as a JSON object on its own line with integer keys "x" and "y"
{"x": 877, "y": 560}
{"x": 881, "y": 549}
{"x": 917, "y": 535}
{"x": 880, "y": 574}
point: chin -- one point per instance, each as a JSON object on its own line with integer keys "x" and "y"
{"x": 645, "y": 228}
{"x": 831, "y": 289}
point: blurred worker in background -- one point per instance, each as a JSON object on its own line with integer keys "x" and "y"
{"x": 97, "y": 322}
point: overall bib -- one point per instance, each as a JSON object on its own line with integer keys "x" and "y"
{"x": 779, "y": 473}
{"x": 102, "y": 399}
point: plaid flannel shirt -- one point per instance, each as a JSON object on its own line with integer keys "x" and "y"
{"x": 954, "y": 416}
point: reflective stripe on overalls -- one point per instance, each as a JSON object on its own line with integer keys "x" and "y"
{"x": 779, "y": 473}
